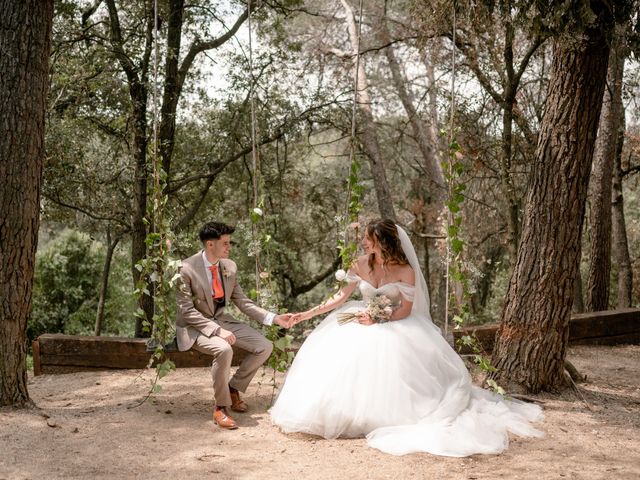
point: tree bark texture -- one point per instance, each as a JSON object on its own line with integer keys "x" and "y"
{"x": 367, "y": 124}
{"x": 25, "y": 41}
{"x": 532, "y": 339}
{"x": 598, "y": 277}
{"x": 619, "y": 227}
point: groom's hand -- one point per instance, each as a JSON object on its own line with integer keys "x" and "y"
{"x": 296, "y": 318}
{"x": 283, "y": 320}
{"x": 227, "y": 336}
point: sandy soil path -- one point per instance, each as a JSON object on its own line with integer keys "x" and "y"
{"x": 84, "y": 427}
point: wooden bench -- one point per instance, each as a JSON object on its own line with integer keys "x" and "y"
{"x": 610, "y": 327}
{"x": 57, "y": 353}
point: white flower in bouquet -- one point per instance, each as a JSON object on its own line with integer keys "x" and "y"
{"x": 341, "y": 275}
{"x": 379, "y": 308}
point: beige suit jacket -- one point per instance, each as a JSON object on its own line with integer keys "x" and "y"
{"x": 197, "y": 313}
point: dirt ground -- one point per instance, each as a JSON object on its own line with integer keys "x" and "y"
{"x": 85, "y": 426}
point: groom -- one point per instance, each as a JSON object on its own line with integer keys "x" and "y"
{"x": 208, "y": 283}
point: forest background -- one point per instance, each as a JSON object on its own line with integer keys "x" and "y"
{"x": 298, "y": 77}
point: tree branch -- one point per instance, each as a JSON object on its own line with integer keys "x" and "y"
{"x": 88, "y": 213}
{"x": 117, "y": 44}
{"x": 88, "y": 12}
{"x": 191, "y": 212}
{"x": 630, "y": 170}
{"x": 311, "y": 284}
{"x": 198, "y": 47}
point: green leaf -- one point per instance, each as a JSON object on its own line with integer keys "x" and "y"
{"x": 165, "y": 367}
{"x": 457, "y": 245}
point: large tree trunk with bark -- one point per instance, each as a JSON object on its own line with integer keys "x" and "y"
{"x": 367, "y": 124}
{"x": 619, "y": 227}
{"x": 532, "y": 339}
{"x": 25, "y": 41}
{"x": 597, "y": 289}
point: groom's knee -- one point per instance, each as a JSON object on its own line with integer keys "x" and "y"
{"x": 264, "y": 350}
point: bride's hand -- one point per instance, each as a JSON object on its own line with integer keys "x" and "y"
{"x": 365, "y": 319}
{"x": 300, "y": 317}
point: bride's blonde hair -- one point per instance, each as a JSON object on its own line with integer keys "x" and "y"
{"x": 385, "y": 233}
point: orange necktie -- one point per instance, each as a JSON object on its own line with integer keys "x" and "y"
{"x": 218, "y": 291}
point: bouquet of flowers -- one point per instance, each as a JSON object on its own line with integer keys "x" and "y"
{"x": 379, "y": 308}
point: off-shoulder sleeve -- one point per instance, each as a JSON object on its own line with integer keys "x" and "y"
{"x": 408, "y": 291}
{"x": 352, "y": 277}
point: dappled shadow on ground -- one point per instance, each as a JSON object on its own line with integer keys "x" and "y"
{"x": 84, "y": 427}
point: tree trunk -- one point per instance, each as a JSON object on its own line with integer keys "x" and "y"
{"x": 104, "y": 284}
{"x": 138, "y": 92}
{"x": 619, "y": 227}
{"x": 532, "y": 339}
{"x": 25, "y": 41}
{"x": 506, "y": 180}
{"x": 139, "y": 210}
{"x": 597, "y": 291}
{"x": 433, "y": 169}
{"x": 368, "y": 127}
{"x": 172, "y": 88}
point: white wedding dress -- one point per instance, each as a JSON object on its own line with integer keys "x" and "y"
{"x": 398, "y": 383}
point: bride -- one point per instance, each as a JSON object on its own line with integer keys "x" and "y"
{"x": 397, "y": 382}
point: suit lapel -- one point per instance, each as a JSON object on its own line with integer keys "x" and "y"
{"x": 225, "y": 280}
{"x": 201, "y": 273}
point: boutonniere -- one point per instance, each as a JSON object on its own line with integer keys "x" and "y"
{"x": 226, "y": 273}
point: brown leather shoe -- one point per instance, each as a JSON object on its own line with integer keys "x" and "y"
{"x": 237, "y": 405}
{"x": 223, "y": 420}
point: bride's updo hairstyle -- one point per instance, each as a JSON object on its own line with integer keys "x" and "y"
{"x": 385, "y": 233}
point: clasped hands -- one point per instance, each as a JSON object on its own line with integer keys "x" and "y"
{"x": 288, "y": 320}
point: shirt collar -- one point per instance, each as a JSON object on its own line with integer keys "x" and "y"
{"x": 207, "y": 263}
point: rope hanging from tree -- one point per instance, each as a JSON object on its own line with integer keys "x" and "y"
{"x": 354, "y": 190}
{"x": 450, "y": 167}
{"x": 254, "y": 149}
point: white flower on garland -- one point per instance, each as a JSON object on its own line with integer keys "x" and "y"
{"x": 341, "y": 275}
{"x": 258, "y": 211}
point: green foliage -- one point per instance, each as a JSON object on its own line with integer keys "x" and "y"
{"x": 65, "y": 286}
{"x": 282, "y": 357}
{"x": 454, "y": 170}
{"x": 159, "y": 270}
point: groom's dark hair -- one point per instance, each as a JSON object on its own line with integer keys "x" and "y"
{"x": 214, "y": 230}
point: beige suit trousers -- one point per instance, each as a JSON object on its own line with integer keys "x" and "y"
{"x": 248, "y": 339}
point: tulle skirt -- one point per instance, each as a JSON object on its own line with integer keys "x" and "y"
{"x": 399, "y": 384}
